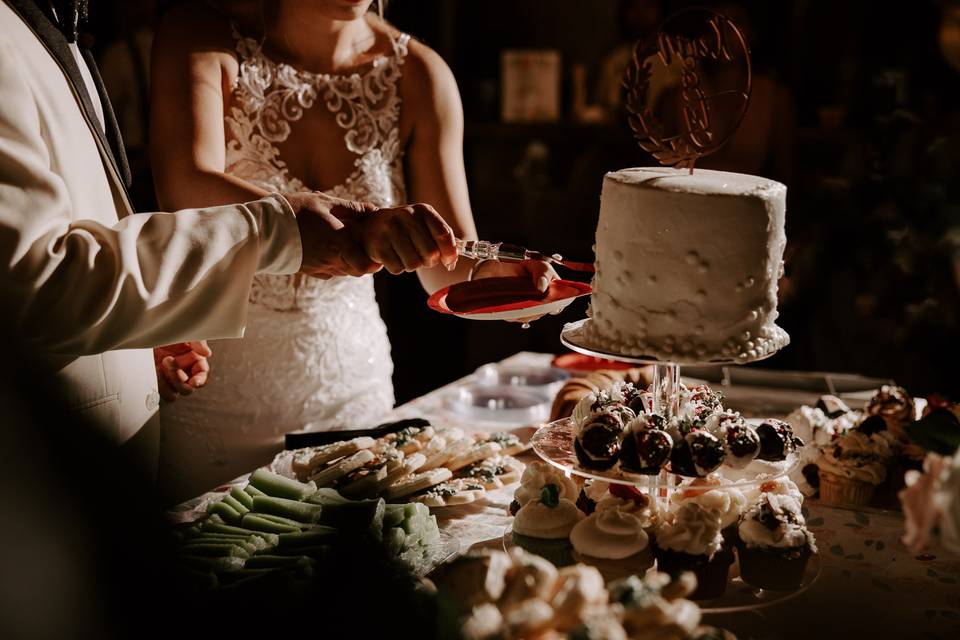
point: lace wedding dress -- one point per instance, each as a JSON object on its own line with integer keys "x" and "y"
{"x": 315, "y": 353}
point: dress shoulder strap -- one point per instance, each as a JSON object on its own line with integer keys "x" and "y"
{"x": 400, "y": 45}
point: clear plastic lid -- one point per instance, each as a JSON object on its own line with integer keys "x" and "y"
{"x": 544, "y": 380}
{"x": 500, "y": 403}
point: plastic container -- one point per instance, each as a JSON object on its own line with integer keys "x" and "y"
{"x": 543, "y": 380}
{"x": 507, "y": 404}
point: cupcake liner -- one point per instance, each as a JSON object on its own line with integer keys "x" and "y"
{"x": 837, "y": 490}
{"x": 769, "y": 568}
{"x": 559, "y": 552}
{"x": 612, "y": 569}
{"x": 712, "y": 573}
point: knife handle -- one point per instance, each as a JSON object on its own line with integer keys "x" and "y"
{"x": 301, "y": 439}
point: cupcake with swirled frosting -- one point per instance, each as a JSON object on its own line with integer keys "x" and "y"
{"x": 775, "y": 544}
{"x": 852, "y": 469}
{"x": 690, "y": 540}
{"x": 535, "y": 477}
{"x": 614, "y": 537}
{"x": 543, "y": 525}
{"x": 728, "y": 503}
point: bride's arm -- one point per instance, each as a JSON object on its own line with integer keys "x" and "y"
{"x": 192, "y": 70}
{"x": 435, "y": 168}
{"x": 434, "y": 153}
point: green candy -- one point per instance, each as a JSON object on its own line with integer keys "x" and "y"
{"x": 257, "y": 522}
{"x": 326, "y": 496}
{"x": 277, "y": 486}
{"x": 235, "y": 504}
{"x": 242, "y": 497}
{"x": 314, "y": 536}
{"x": 293, "y": 509}
{"x": 252, "y": 491}
{"x": 225, "y": 511}
{"x": 222, "y": 564}
{"x": 214, "y": 549}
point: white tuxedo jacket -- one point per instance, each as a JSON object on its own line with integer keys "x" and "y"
{"x": 89, "y": 286}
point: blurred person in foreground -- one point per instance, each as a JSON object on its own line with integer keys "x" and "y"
{"x": 89, "y": 288}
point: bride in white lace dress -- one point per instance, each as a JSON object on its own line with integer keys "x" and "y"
{"x": 286, "y": 96}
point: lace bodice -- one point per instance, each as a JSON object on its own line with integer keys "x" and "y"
{"x": 315, "y": 353}
{"x": 268, "y": 96}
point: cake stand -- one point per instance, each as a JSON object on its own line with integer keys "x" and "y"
{"x": 665, "y": 386}
{"x": 553, "y": 442}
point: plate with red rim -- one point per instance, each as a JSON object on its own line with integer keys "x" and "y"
{"x": 559, "y": 296}
{"x": 579, "y": 363}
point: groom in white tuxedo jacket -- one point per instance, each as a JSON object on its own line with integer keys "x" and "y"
{"x": 89, "y": 287}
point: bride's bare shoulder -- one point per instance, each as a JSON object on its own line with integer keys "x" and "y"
{"x": 428, "y": 83}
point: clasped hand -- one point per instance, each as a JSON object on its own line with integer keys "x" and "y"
{"x": 344, "y": 238}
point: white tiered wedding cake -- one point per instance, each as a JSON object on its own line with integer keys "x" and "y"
{"x": 687, "y": 266}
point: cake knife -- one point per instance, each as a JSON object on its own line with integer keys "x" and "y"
{"x": 484, "y": 250}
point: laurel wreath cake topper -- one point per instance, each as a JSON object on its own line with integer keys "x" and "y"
{"x": 689, "y": 39}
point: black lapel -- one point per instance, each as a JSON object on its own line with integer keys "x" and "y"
{"x": 56, "y": 43}
{"x": 113, "y": 130}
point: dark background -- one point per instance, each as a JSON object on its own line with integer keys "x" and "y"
{"x": 873, "y": 220}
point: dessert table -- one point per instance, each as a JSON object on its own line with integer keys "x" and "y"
{"x": 870, "y": 585}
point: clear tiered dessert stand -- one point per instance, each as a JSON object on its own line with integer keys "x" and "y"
{"x": 554, "y": 443}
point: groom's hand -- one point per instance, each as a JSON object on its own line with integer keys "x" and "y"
{"x": 330, "y": 248}
{"x": 406, "y": 238}
{"x": 181, "y": 368}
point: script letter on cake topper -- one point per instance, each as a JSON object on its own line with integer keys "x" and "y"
{"x": 685, "y": 43}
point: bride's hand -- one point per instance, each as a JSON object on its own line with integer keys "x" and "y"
{"x": 406, "y": 238}
{"x": 541, "y": 273}
{"x": 181, "y": 368}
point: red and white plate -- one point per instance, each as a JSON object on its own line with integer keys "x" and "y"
{"x": 560, "y": 295}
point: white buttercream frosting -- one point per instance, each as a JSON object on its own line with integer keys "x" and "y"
{"x": 728, "y": 503}
{"x": 539, "y": 474}
{"x": 596, "y": 489}
{"x": 814, "y": 427}
{"x": 780, "y": 486}
{"x": 693, "y": 530}
{"x": 687, "y": 265}
{"x": 609, "y": 533}
{"x": 859, "y": 456}
{"x": 583, "y": 410}
{"x": 538, "y": 520}
{"x": 646, "y": 512}
{"x": 775, "y": 521}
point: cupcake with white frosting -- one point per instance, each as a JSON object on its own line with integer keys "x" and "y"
{"x": 690, "y": 540}
{"x": 543, "y": 525}
{"x": 535, "y": 477}
{"x": 774, "y": 545}
{"x": 727, "y": 502}
{"x": 614, "y": 537}
{"x": 852, "y": 469}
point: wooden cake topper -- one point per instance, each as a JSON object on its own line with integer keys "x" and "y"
{"x": 689, "y": 39}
